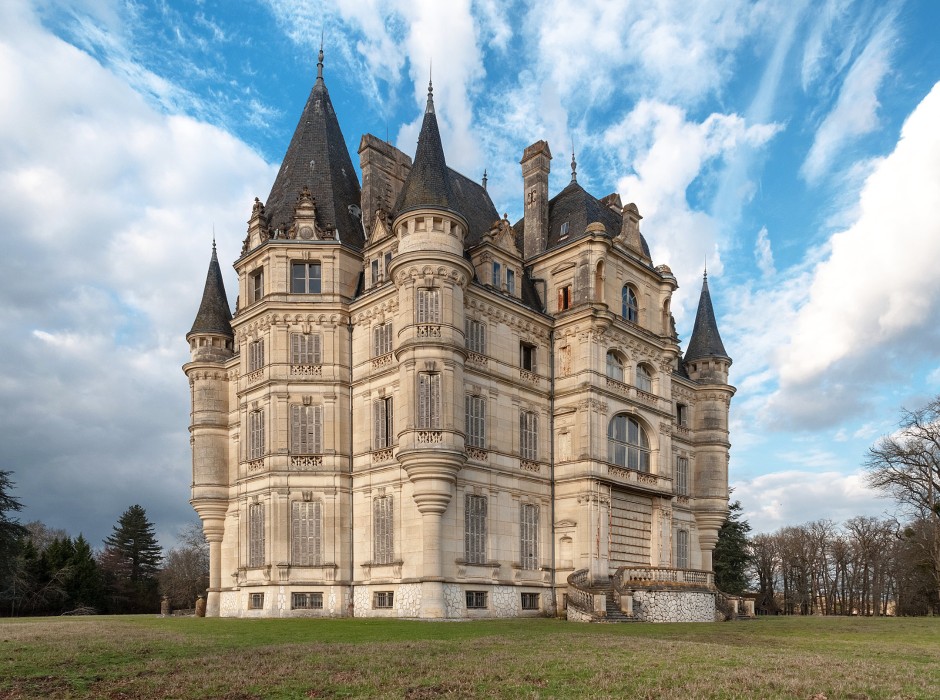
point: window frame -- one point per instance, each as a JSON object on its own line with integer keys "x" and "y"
{"x": 256, "y": 434}
{"x": 255, "y": 354}
{"x": 529, "y": 435}
{"x": 309, "y": 283}
{"x": 643, "y": 378}
{"x": 530, "y": 601}
{"x": 476, "y": 600}
{"x": 529, "y": 536}
{"x": 429, "y": 401}
{"x": 475, "y": 406}
{"x": 511, "y": 281}
{"x": 682, "y": 548}
{"x": 383, "y": 423}
{"x": 255, "y": 535}
{"x": 682, "y": 475}
{"x": 307, "y": 533}
{"x": 256, "y": 285}
{"x": 475, "y": 530}
{"x": 527, "y": 356}
{"x": 383, "y": 533}
{"x": 306, "y": 429}
{"x": 624, "y": 453}
{"x": 383, "y": 600}
{"x": 428, "y": 305}
{"x": 256, "y": 601}
{"x": 306, "y": 349}
{"x": 564, "y": 297}
{"x": 630, "y": 304}
{"x": 382, "y": 339}
{"x": 313, "y": 600}
{"x": 615, "y": 366}
{"x": 475, "y": 336}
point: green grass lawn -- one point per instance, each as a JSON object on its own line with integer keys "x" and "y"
{"x": 149, "y": 657}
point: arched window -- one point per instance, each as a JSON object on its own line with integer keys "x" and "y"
{"x": 627, "y": 444}
{"x": 614, "y": 366}
{"x": 631, "y": 310}
{"x": 644, "y": 379}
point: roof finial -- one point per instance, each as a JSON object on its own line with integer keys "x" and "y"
{"x": 484, "y": 178}
{"x": 213, "y": 236}
{"x": 320, "y": 58}
{"x": 705, "y": 269}
{"x": 574, "y": 163}
{"x": 430, "y": 108}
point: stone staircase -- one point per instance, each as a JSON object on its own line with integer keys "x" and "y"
{"x": 613, "y": 613}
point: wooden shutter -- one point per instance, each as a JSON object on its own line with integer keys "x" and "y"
{"x": 424, "y": 400}
{"x": 435, "y": 406}
{"x": 422, "y": 306}
{"x": 316, "y": 429}
{"x": 256, "y": 534}
{"x": 475, "y": 529}
{"x": 296, "y": 429}
{"x": 315, "y": 349}
{"x": 529, "y": 528}
{"x": 379, "y": 434}
{"x": 389, "y": 421}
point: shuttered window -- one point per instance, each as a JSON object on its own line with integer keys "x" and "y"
{"x": 255, "y": 355}
{"x": 383, "y": 421}
{"x": 529, "y": 435}
{"x": 383, "y": 534}
{"x": 256, "y": 534}
{"x": 529, "y": 530}
{"x": 475, "y": 527}
{"x": 476, "y": 421}
{"x": 682, "y": 549}
{"x": 382, "y": 340}
{"x": 429, "y": 306}
{"x": 682, "y": 476}
{"x": 429, "y": 401}
{"x": 256, "y": 434}
{"x": 476, "y": 337}
{"x": 305, "y": 349}
{"x": 306, "y": 430}
{"x": 306, "y": 533}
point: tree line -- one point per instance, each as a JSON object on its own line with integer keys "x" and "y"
{"x": 45, "y": 571}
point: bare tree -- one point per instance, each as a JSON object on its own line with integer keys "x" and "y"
{"x": 185, "y": 574}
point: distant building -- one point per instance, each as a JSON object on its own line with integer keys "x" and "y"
{"x": 420, "y": 409}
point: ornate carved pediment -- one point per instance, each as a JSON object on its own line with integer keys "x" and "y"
{"x": 380, "y": 227}
{"x": 305, "y": 220}
{"x": 501, "y": 236}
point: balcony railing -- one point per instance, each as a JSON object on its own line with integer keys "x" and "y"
{"x": 633, "y": 576}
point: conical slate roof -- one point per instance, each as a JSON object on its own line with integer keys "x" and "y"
{"x": 214, "y": 315}
{"x": 705, "y": 340}
{"x": 428, "y": 184}
{"x": 318, "y": 159}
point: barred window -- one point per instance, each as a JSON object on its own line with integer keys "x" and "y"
{"x": 682, "y": 476}
{"x": 476, "y": 600}
{"x": 306, "y": 430}
{"x": 306, "y": 533}
{"x": 383, "y": 599}
{"x": 305, "y": 349}
{"x": 529, "y": 435}
{"x": 476, "y": 337}
{"x": 256, "y": 434}
{"x": 256, "y": 601}
{"x": 529, "y": 545}
{"x": 382, "y": 339}
{"x": 644, "y": 380}
{"x": 627, "y": 444}
{"x": 305, "y": 278}
{"x": 475, "y": 528}
{"x": 614, "y": 366}
{"x": 383, "y": 544}
{"x": 682, "y": 549}
{"x": 476, "y": 421}
{"x": 530, "y": 601}
{"x": 429, "y": 306}
{"x": 256, "y": 535}
{"x": 255, "y": 355}
{"x": 429, "y": 401}
{"x": 383, "y": 434}
{"x": 306, "y": 601}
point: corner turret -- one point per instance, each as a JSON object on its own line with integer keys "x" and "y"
{"x": 705, "y": 359}
{"x": 211, "y": 338}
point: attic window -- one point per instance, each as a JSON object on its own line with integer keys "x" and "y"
{"x": 564, "y": 229}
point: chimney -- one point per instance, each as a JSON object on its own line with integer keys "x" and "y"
{"x": 536, "y": 164}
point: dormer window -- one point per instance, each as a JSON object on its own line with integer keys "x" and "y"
{"x": 564, "y": 229}
{"x": 305, "y": 278}
{"x": 256, "y": 285}
{"x": 375, "y": 271}
{"x": 497, "y": 275}
{"x": 510, "y": 281}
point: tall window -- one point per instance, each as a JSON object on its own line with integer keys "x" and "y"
{"x": 476, "y": 421}
{"x": 564, "y": 298}
{"x": 497, "y": 275}
{"x": 306, "y": 430}
{"x": 627, "y": 444}
{"x": 631, "y": 310}
{"x": 510, "y": 281}
{"x": 375, "y": 271}
{"x": 475, "y": 528}
{"x": 256, "y": 534}
{"x": 256, "y": 285}
{"x": 429, "y": 306}
{"x": 682, "y": 414}
{"x": 529, "y": 545}
{"x": 383, "y": 433}
{"x": 305, "y": 349}
{"x": 255, "y": 355}
{"x": 527, "y": 356}
{"x": 476, "y": 337}
{"x": 614, "y": 366}
{"x": 256, "y": 435}
{"x": 682, "y": 549}
{"x": 644, "y": 380}
{"x": 382, "y": 339}
{"x": 305, "y": 278}
{"x": 529, "y": 435}
{"x": 306, "y": 533}
{"x": 682, "y": 476}
{"x": 429, "y": 401}
{"x": 383, "y": 550}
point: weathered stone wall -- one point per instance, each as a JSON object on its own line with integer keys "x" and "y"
{"x": 673, "y": 606}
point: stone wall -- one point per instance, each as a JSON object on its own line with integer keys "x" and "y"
{"x": 673, "y": 606}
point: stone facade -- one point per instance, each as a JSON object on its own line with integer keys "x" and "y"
{"x": 674, "y": 606}
{"x": 436, "y": 413}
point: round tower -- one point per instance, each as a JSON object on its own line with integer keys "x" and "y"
{"x": 211, "y": 347}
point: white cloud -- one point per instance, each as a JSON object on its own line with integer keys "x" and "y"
{"x": 763, "y": 253}
{"x": 855, "y": 112}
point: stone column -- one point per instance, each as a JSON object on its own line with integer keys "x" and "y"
{"x": 214, "y": 528}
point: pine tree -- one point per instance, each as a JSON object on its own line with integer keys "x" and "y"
{"x": 11, "y": 535}
{"x": 731, "y": 556}
{"x": 134, "y": 559}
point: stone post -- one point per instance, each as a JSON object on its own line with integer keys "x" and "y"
{"x": 164, "y": 607}
{"x": 200, "y": 607}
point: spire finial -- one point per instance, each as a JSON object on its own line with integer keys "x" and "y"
{"x": 213, "y": 236}
{"x": 574, "y": 164}
{"x": 430, "y": 108}
{"x": 484, "y": 178}
{"x": 320, "y": 58}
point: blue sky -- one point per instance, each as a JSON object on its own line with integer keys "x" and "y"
{"x": 792, "y": 146}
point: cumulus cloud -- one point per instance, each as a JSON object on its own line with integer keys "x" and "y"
{"x": 763, "y": 253}
{"x": 111, "y": 203}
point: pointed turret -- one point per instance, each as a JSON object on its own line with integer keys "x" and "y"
{"x": 428, "y": 184}
{"x": 705, "y": 340}
{"x": 318, "y": 159}
{"x": 214, "y": 315}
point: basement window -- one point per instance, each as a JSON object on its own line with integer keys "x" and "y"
{"x": 530, "y": 601}
{"x": 476, "y": 600}
{"x": 306, "y": 601}
{"x": 256, "y": 601}
{"x": 383, "y": 599}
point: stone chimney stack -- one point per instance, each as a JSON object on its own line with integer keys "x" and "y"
{"x": 536, "y": 164}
